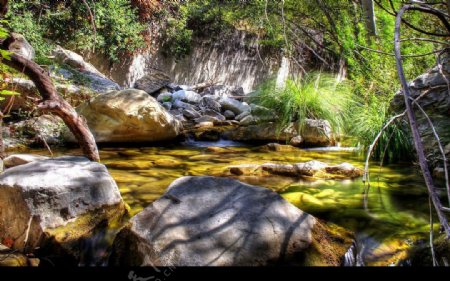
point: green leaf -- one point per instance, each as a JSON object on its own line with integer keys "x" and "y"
{"x": 9, "y": 93}
{"x": 5, "y": 54}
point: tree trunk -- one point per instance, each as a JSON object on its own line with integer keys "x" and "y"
{"x": 369, "y": 12}
{"x": 53, "y": 103}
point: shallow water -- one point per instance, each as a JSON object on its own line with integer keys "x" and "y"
{"x": 395, "y": 213}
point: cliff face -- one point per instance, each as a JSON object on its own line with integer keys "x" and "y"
{"x": 435, "y": 88}
{"x": 236, "y": 59}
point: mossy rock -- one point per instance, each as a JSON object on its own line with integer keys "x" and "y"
{"x": 74, "y": 241}
{"x": 329, "y": 244}
{"x": 420, "y": 254}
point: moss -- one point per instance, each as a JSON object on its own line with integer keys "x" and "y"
{"x": 420, "y": 254}
{"x": 329, "y": 245}
{"x": 67, "y": 240}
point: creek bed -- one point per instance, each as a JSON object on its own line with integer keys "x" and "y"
{"x": 386, "y": 222}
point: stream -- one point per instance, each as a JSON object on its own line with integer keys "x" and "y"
{"x": 395, "y": 214}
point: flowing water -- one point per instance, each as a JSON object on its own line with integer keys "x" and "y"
{"x": 396, "y": 213}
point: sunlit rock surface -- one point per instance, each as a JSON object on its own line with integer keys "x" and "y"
{"x": 209, "y": 221}
{"x": 128, "y": 116}
{"x": 57, "y": 204}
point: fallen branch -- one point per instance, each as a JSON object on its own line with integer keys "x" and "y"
{"x": 52, "y": 102}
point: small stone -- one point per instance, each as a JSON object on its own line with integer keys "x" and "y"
{"x": 21, "y": 159}
{"x": 296, "y": 141}
{"x": 190, "y": 113}
{"x": 249, "y": 120}
{"x": 229, "y": 115}
{"x": 167, "y": 105}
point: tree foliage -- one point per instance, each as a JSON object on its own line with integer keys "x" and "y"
{"x": 46, "y": 22}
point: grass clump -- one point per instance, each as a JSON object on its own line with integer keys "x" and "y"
{"x": 315, "y": 96}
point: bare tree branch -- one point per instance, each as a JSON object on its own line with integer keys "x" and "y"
{"x": 412, "y": 118}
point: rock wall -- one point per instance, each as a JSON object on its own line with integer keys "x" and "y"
{"x": 237, "y": 60}
{"x": 435, "y": 88}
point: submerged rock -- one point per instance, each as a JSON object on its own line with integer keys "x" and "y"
{"x": 232, "y": 224}
{"x": 12, "y": 258}
{"x": 278, "y": 147}
{"x": 128, "y": 116}
{"x": 56, "y": 204}
{"x": 309, "y": 169}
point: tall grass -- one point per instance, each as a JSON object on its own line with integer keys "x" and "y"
{"x": 315, "y": 96}
{"x": 366, "y": 121}
{"x": 356, "y": 113}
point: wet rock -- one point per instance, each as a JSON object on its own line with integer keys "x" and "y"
{"x": 55, "y": 204}
{"x": 11, "y": 258}
{"x": 244, "y": 169}
{"x": 229, "y": 115}
{"x": 232, "y": 224}
{"x": 219, "y": 150}
{"x": 344, "y": 169}
{"x": 130, "y": 165}
{"x": 21, "y": 159}
{"x": 278, "y": 147}
{"x": 167, "y": 163}
{"x": 207, "y": 135}
{"x": 152, "y": 82}
{"x": 128, "y": 116}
